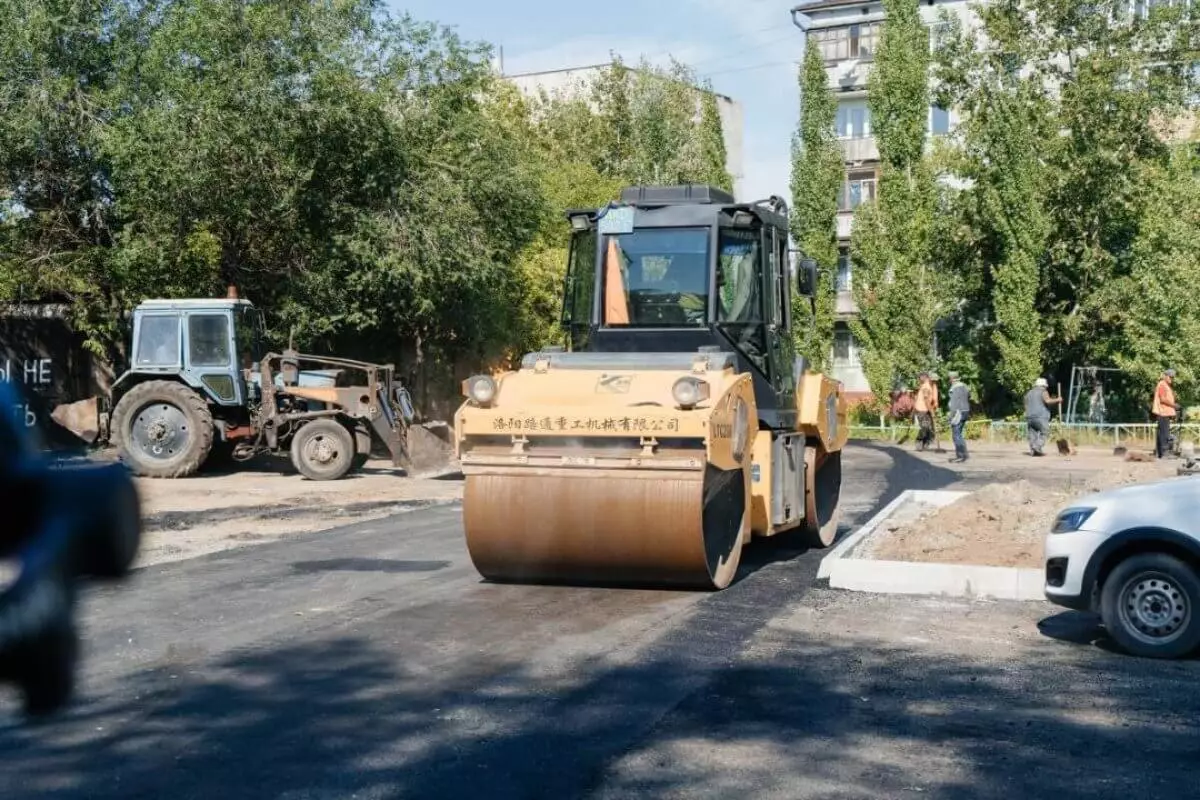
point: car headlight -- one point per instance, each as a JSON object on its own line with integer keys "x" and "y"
{"x": 480, "y": 388}
{"x": 689, "y": 391}
{"x": 1071, "y": 520}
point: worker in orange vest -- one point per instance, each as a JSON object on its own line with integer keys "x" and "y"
{"x": 1165, "y": 409}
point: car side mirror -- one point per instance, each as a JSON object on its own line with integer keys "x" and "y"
{"x": 806, "y": 277}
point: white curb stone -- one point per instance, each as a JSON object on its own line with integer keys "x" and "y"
{"x": 846, "y": 571}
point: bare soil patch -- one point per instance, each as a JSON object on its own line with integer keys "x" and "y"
{"x": 265, "y": 501}
{"x": 1001, "y": 524}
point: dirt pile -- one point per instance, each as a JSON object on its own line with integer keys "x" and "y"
{"x": 1001, "y": 525}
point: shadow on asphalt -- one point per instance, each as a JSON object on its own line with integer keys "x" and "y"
{"x": 345, "y": 717}
{"x": 384, "y": 565}
{"x": 907, "y": 472}
{"x": 1086, "y": 628}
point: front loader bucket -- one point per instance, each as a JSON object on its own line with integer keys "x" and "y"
{"x": 676, "y": 528}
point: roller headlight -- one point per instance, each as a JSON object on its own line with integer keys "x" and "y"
{"x": 480, "y": 388}
{"x": 1072, "y": 520}
{"x": 689, "y": 391}
{"x": 741, "y": 429}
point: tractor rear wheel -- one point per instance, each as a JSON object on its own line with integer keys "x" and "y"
{"x": 323, "y": 450}
{"x": 163, "y": 429}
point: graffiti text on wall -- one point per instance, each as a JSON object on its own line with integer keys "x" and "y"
{"x": 35, "y": 373}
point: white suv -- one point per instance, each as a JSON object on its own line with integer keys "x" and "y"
{"x": 1133, "y": 555}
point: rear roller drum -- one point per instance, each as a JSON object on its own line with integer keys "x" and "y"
{"x": 822, "y": 496}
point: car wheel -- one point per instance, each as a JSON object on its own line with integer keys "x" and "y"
{"x": 1151, "y": 606}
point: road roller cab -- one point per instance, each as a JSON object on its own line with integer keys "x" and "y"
{"x": 680, "y": 423}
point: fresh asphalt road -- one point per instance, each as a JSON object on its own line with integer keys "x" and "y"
{"x": 372, "y": 661}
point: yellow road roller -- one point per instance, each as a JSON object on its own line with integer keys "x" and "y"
{"x": 676, "y": 425}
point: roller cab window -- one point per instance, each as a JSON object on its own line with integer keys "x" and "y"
{"x": 579, "y": 287}
{"x": 655, "y": 278}
{"x": 740, "y": 292}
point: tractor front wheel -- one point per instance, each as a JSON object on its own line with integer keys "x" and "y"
{"x": 323, "y": 450}
{"x": 163, "y": 429}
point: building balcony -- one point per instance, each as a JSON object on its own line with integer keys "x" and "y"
{"x": 845, "y": 223}
{"x": 845, "y": 305}
{"x": 860, "y": 150}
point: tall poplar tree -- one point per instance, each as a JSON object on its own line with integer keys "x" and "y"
{"x": 817, "y": 170}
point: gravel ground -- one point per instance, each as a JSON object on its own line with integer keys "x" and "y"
{"x": 266, "y": 500}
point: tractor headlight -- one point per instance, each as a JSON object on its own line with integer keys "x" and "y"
{"x": 689, "y": 391}
{"x": 480, "y": 388}
{"x": 1072, "y": 520}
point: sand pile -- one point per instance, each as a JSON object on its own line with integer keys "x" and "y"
{"x": 1002, "y": 524}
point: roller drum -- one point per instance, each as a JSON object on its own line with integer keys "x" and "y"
{"x": 634, "y": 527}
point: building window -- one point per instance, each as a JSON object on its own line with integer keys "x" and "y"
{"x": 845, "y": 349}
{"x": 859, "y": 188}
{"x": 844, "y": 270}
{"x": 853, "y": 121}
{"x": 939, "y": 32}
{"x": 939, "y": 121}
{"x": 851, "y": 41}
{"x": 863, "y": 40}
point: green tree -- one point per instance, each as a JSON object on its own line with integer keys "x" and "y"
{"x": 1064, "y": 140}
{"x": 712, "y": 143}
{"x": 900, "y": 293}
{"x": 339, "y": 165}
{"x": 1005, "y": 148}
{"x": 1155, "y": 313}
{"x": 817, "y": 170}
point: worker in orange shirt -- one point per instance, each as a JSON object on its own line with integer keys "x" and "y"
{"x": 923, "y": 407}
{"x": 1165, "y": 408}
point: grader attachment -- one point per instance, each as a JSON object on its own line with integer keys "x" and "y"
{"x": 680, "y": 426}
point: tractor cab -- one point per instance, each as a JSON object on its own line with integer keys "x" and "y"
{"x": 681, "y": 268}
{"x": 210, "y": 344}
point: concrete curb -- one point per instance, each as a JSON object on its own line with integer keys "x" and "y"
{"x": 845, "y": 571}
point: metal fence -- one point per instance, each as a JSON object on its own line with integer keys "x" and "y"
{"x": 1114, "y": 434}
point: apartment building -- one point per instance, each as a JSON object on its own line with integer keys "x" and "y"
{"x": 847, "y": 34}
{"x": 577, "y": 81}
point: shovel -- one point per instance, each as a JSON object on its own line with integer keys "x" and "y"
{"x": 1065, "y": 446}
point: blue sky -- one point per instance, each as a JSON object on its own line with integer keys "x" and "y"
{"x": 748, "y": 49}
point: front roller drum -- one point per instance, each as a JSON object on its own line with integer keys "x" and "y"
{"x": 644, "y": 528}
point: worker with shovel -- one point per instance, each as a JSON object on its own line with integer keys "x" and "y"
{"x": 1037, "y": 415}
